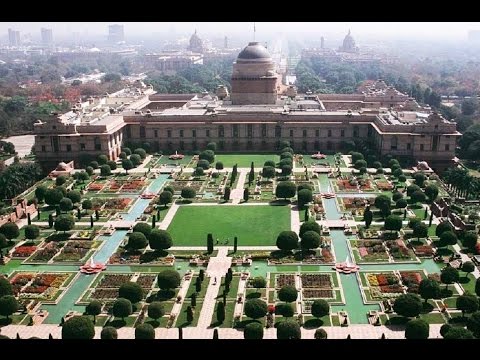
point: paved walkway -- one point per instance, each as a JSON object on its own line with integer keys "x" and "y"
{"x": 165, "y": 222}
{"x": 465, "y": 258}
{"x": 294, "y": 219}
{"x": 237, "y": 194}
{"x": 183, "y": 293}
{"x": 217, "y": 267}
{"x": 334, "y": 332}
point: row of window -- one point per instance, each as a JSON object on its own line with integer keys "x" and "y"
{"x": 236, "y": 133}
{"x": 68, "y": 147}
{"x": 422, "y": 147}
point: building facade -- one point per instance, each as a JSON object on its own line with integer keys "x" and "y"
{"x": 252, "y": 118}
{"x": 47, "y": 36}
{"x": 115, "y": 33}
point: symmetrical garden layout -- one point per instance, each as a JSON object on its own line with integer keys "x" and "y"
{"x": 224, "y": 241}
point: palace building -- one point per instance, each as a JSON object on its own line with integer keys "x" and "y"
{"x": 254, "y": 117}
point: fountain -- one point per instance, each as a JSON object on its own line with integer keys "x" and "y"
{"x": 346, "y": 267}
{"x": 176, "y": 156}
{"x": 319, "y": 156}
{"x": 92, "y": 268}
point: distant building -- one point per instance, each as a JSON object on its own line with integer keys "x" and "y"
{"x": 170, "y": 62}
{"x": 348, "y": 45}
{"x": 47, "y": 36}
{"x": 115, "y": 33}
{"x": 196, "y": 44}
{"x": 474, "y": 35}
{"x": 14, "y": 37}
{"x": 252, "y": 118}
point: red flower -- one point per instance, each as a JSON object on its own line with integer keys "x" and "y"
{"x": 271, "y": 309}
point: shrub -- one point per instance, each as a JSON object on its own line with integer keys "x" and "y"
{"x": 136, "y": 241}
{"x": 288, "y": 329}
{"x": 144, "y": 331}
{"x": 320, "y": 334}
{"x": 108, "y": 332}
{"x": 287, "y": 240}
{"x": 253, "y": 331}
{"x": 131, "y": 291}
{"x": 168, "y": 279}
{"x": 78, "y": 328}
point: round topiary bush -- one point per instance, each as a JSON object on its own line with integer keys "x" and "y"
{"x": 320, "y": 334}
{"x": 288, "y": 329}
{"x": 109, "y": 332}
{"x": 78, "y": 327}
{"x": 253, "y": 331}
{"x": 144, "y": 331}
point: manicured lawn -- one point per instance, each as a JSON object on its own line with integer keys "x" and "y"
{"x": 243, "y": 160}
{"x": 253, "y": 225}
{"x": 433, "y": 318}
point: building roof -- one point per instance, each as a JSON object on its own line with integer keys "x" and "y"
{"x": 254, "y": 51}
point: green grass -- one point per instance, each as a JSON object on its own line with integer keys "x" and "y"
{"x": 244, "y": 161}
{"x": 468, "y": 282}
{"x": 232, "y": 294}
{"x": 229, "y": 310}
{"x": 191, "y": 288}
{"x": 253, "y": 225}
{"x": 433, "y": 318}
{"x": 310, "y": 322}
{"x": 182, "y": 316}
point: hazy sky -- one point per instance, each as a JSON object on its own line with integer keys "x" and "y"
{"x": 395, "y": 29}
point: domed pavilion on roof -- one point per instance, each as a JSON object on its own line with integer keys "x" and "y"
{"x": 254, "y": 80}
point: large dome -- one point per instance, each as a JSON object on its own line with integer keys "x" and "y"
{"x": 254, "y": 51}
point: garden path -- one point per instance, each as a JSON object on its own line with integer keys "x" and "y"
{"x": 183, "y": 293}
{"x": 237, "y": 193}
{"x": 217, "y": 267}
{"x": 169, "y": 217}
{"x": 465, "y": 258}
{"x": 238, "y": 311}
{"x": 294, "y": 219}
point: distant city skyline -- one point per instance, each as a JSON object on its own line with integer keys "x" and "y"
{"x": 431, "y": 30}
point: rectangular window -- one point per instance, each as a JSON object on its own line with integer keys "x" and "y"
{"x": 342, "y": 133}
{"x": 181, "y": 133}
{"x": 317, "y": 133}
{"x": 409, "y": 146}
{"x": 82, "y": 146}
{"x": 329, "y": 134}
{"x": 422, "y": 147}
{"x": 98, "y": 146}
{"x": 44, "y": 148}
{"x": 447, "y": 147}
{"x": 435, "y": 143}
{"x": 128, "y": 132}
{"x": 264, "y": 130}
{"x": 155, "y": 133}
{"x": 304, "y": 133}
{"x": 278, "y": 131}
{"x": 291, "y": 133}
{"x": 169, "y": 133}
{"x": 250, "y": 130}
{"x": 235, "y": 130}
{"x": 221, "y": 131}
{"x": 194, "y": 133}
{"x": 142, "y": 132}
{"x": 69, "y": 148}
{"x": 207, "y": 133}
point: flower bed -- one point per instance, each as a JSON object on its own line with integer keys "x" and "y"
{"x": 104, "y": 294}
{"x": 384, "y": 185}
{"x": 317, "y": 293}
{"x": 74, "y": 250}
{"x": 282, "y": 280}
{"x": 117, "y": 203}
{"x": 94, "y": 186}
{"x": 114, "y": 280}
{"x": 146, "y": 281}
{"x": 398, "y": 249}
{"x": 24, "y": 251}
{"x": 316, "y": 281}
{"x": 410, "y": 278}
{"x": 423, "y": 250}
{"x": 42, "y": 286}
{"x": 46, "y": 253}
{"x": 371, "y": 250}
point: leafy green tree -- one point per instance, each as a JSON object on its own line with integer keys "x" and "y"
{"x": 467, "y": 303}
{"x": 285, "y": 189}
{"x": 320, "y": 334}
{"x": 199, "y": 171}
{"x": 5, "y": 287}
{"x": 419, "y": 179}
{"x": 412, "y": 188}
{"x": 320, "y": 308}
{"x": 78, "y": 328}
{"x": 109, "y": 333}
{"x": 75, "y": 196}
{"x": 310, "y": 240}
{"x": 288, "y": 294}
{"x": 208, "y": 155}
{"x": 64, "y": 223}
{"x": 188, "y": 193}
{"x": 443, "y": 227}
{"x": 418, "y": 196}
{"x": 382, "y": 202}
{"x": 166, "y": 197}
{"x": 127, "y": 164}
{"x": 268, "y": 172}
{"x": 393, "y": 222}
{"x": 417, "y": 329}
{"x": 468, "y": 267}
{"x": 168, "y": 279}
{"x": 40, "y": 192}
{"x": 112, "y": 164}
{"x": 32, "y": 232}
{"x": 143, "y": 228}
{"x": 204, "y": 164}
{"x": 288, "y": 329}
{"x": 144, "y": 332}
{"x": 53, "y": 196}
{"x": 122, "y": 308}
{"x": 219, "y": 165}
{"x": 220, "y": 312}
{"x": 255, "y": 308}
{"x": 449, "y": 275}
{"x": 458, "y": 333}
{"x": 156, "y": 310}
{"x": 105, "y": 170}
{"x": 102, "y": 159}
{"x": 431, "y": 191}
{"x": 131, "y": 291}
{"x": 60, "y": 180}
{"x": 135, "y": 159}
{"x": 310, "y": 225}
{"x": 66, "y": 204}
{"x": 160, "y": 239}
{"x": 269, "y": 163}
{"x": 137, "y": 241}
{"x": 304, "y": 196}
{"x": 94, "y": 308}
{"x": 470, "y": 239}
{"x": 368, "y": 217}
{"x": 253, "y": 331}
{"x": 8, "y": 305}
{"x": 212, "y": 146}
{"x": 140, "y": 152}
{"x": 429, "y": 289}
{"x": 408, "y": 305}
{"x": 287, "y": 240}
{"x": 448, "y": 238}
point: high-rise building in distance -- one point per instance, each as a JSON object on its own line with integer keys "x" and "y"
{"x": 115, "y": 33}
{"x": 13, "y": 37}
{"x": 47, "y": 36}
